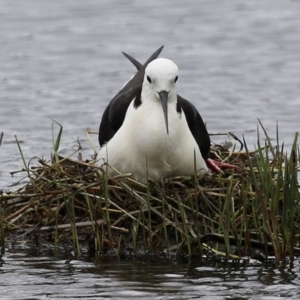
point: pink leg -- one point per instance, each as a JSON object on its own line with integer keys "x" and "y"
{"x": 216, "y": 166}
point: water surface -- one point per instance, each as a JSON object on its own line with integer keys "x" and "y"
{"x": 238, "y": 61}
{"x": 34, "y": 274}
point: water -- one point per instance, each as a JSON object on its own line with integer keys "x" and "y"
{"x": 238, "y": 61}
{"x": 61, "y": 60}
{"x": 40, "y": 275}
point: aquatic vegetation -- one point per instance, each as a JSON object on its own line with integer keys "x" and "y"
{"x": 252, "y": 210}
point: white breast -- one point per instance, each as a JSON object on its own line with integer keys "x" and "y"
{"x": 142, "y": 146}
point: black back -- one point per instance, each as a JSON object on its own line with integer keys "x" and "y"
{"x": 114, "y": 114}
{"x": 194, "y": 120}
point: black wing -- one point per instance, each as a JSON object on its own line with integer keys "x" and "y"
{"x": 114, "y": 114}
{"x": 196, "y": 125}
{"x": 194, "y": 120}
{"x": 136, "y": 63}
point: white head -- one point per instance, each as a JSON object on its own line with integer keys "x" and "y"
{"x": 160, "y": 82}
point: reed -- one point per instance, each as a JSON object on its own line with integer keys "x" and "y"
{"x": 241, "y": 212}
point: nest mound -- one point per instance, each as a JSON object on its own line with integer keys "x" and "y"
{"x": 254, "y": 206}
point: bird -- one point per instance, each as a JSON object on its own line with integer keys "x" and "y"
{"x": 149, "y": 130}
{"x": 214, "y": 165}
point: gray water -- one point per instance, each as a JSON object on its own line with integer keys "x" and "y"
{"x": 61, "y": 60}
{"x": 40, "y": 275}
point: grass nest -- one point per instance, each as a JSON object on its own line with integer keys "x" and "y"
{"x": 252, "y": 210}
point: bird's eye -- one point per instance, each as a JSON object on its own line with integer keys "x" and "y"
{"x": 149, "y": 79}
{"x": 176, "y": 78}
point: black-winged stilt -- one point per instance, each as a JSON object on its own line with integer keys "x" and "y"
{"x": 149, "y": 130}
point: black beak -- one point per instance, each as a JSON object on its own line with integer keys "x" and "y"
{"x": 163, "y": 95}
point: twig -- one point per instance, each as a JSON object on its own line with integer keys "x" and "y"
{"x": 1, "y": 137}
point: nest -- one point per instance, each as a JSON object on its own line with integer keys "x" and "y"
{"x": 250, "y": 210}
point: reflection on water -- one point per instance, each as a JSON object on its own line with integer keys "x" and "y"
{"x": 39, "y": 275}
{"x": 238, "y": 61}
